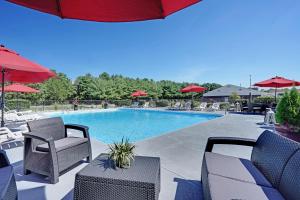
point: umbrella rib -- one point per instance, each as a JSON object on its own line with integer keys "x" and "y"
{"x": 59, "y": 11}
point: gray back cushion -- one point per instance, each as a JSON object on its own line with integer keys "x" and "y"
{"x": 289, "y": 185}
{"x": 271, "y": 153}
{"x": 53, "y": 127}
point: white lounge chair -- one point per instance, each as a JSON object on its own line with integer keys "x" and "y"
{"x": 146, "y": 105}
{"x": 7, "y": 135}
{"x": 135, "y": 104}
{"x": 201, "y": 107}
{"x": 13, "y": 117}
{"x": 176, "y": 106}
{"x": 187, "y": 106}
{"x": 215, "y": 107}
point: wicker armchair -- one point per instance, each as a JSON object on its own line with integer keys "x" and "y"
{"x": 8, "y": 188}
{"x": 49, "y": 151}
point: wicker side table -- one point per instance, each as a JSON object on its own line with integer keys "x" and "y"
{"x": 100, "y": 180}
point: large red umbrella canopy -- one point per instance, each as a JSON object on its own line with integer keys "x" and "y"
{"x": 15, "y": 68}
{"x": 139, "y": 93}
{"x": 108, "y": 10}
{"x": 277, "y": 82}
{"x": 20, "y": 88}
{"x": 18, "y": 69}
{"x": 193, "y": 88}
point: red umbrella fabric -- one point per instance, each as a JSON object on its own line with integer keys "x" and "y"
{"x": 20, "y": 88}
{"x": 108, "y": 10}
{"x": 193, "y": 88}
{"x": 277, "y": 82}
{"x": 139, "y": 93}
{"x": 19, "y": 69}
{"x": 15, "y": 68}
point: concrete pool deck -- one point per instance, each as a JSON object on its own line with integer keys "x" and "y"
{"x": 180, "y": 152}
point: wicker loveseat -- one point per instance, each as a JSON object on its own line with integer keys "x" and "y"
{"x": 8, "y": 188}
{"x": 49, "y": 151}
{"x": 272, "y": 173}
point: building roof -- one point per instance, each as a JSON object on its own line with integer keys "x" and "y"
{"x": 227, "y": 91}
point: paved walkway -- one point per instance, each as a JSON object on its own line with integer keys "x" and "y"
{"x": 180, "y": 152}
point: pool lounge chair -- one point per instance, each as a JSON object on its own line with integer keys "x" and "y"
{"x": 135, "y": 104}
{"x": 187, "y": 106}
{"x": 7, "y": 135}
{"x": 201, "y": 107}
{"x": 215, "y": 107}
{"x": 176, "y": 106}
{"x": 146, "y": 105}
{"x": 13, "y": 117}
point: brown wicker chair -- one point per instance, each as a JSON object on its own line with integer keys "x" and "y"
{"x": 49, "y": 151}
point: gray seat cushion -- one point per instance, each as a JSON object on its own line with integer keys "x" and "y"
{"x": 222, "y": 188}
{"x": 234, "y": 168}
{"x": 62, "y": 144}
{"x": 6, "y": 174}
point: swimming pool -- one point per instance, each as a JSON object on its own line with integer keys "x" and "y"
{"x": 134, "y": 124}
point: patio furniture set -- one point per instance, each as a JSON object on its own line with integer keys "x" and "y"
{"x": 272, "y": 173}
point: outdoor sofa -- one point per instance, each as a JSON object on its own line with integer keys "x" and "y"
{"x": 48, "y": 150}
{"x": 8, "y": 188}
{"x": 272, "y": 173}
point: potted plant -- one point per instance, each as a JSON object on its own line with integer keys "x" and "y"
{"x": 122, "y": 153}
{"x": 288, "y": 115}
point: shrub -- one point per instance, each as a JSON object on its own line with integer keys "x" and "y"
{"x": 288, "y": 109}
{"x": 162, "y": 103}
{"x": 224, "y": 105}
{"x": 234, "y": 97}
{"x": 122, "y": 153}
{"x": 265, "y": 100}
{"x": 21, "y": 104}
{"x": 195, "y": 104}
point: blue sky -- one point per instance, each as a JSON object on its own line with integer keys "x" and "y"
{"x": 213, "y": 41}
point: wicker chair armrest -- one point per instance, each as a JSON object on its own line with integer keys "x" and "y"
{"x": 228, "y": 140}
{"x": 82, "y": 128}
{"x": 35, "y": 135}
{"x": 4, "y": 162}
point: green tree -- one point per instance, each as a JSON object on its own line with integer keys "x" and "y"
{"x": 288, "y": 109}
{"x": 57, "y": 89}
{"x": 234, "y": 97}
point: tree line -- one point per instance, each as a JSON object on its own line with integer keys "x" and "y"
{"x": 105, "y": 87}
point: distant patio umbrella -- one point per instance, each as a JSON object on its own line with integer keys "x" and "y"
{"x": 277, "y": 82}
{"x": 139, "y": 93}
{"x": 15, "y": 68}
{"x": 19, "y": 88}
{"x": 108, "y": 10}
{"x": 193, "y": 88}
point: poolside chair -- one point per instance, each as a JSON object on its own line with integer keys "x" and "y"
{"x": 7, "y": 135}
{"x": 13, "y": 117}
{"x": 215, "y": 107}
{"x": 201, "y": 107}
{"x": 8, "y": 187}
{"x": 146, "y": 105}
{"x": 176, "y": 106}
{"x": 48, "y": 150}
{"x": 135, "y": 104}
{"x": 187, "y": 106}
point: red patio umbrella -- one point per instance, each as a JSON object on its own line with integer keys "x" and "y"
{"x": 193, "y": 88}
{"x": 15, "y": 68}
{"x": 139, "y": 93}
{"x": 19, "y": 88}
{"x": 277, "y": 82}
{"x": 108, "y": 10}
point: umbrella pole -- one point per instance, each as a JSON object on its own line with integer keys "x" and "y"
{"x": 2, "y": 99}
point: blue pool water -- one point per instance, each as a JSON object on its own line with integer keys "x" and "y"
{"x": 136, "y": 125}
